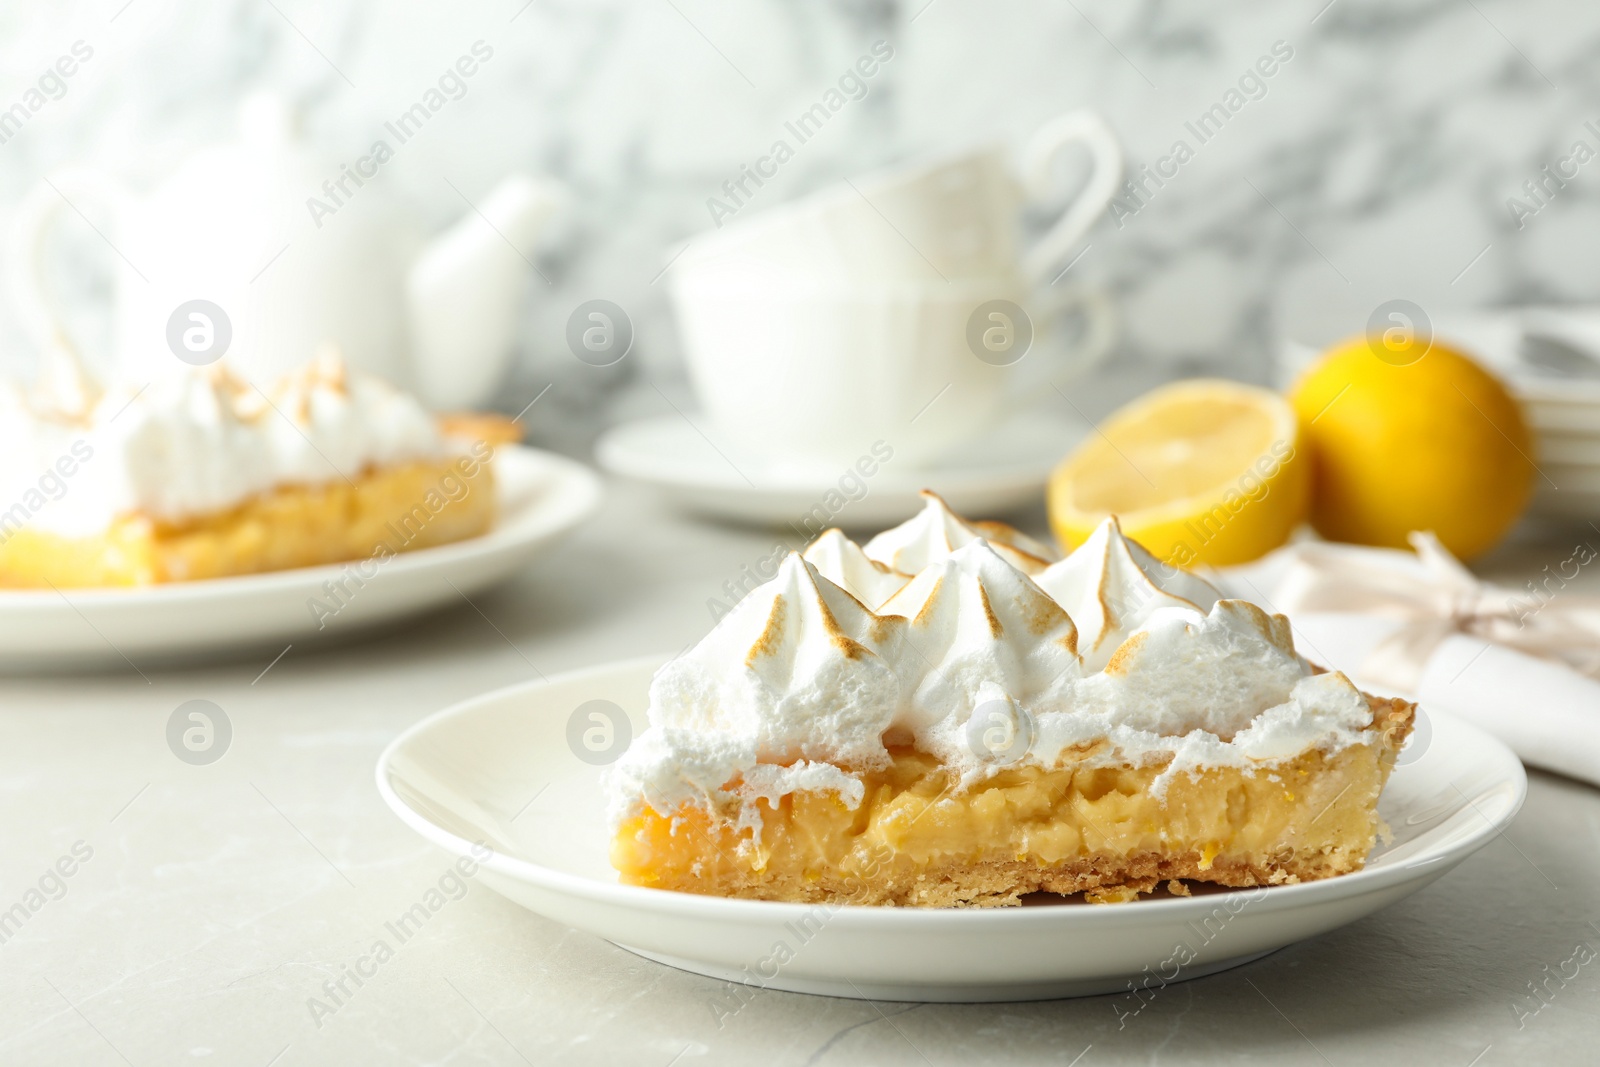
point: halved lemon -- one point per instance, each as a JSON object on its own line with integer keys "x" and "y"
{"x": 1200, "y": 471}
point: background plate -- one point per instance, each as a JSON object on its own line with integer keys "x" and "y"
{"x": 997, "y": 473}
{"x": 541, "y": 497}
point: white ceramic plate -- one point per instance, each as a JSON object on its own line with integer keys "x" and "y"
{"x": 1571, "y": 449}
{"x": 499, "y": 770}
{"x": 1569, "y": 478}
{"x": 997, "y": 473}
{"x": 1564, "y": 503}
{"x": 541, "y": 496}
{"x": 1581, "y": 417}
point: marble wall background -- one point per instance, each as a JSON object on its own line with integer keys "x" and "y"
{"x": 1376, "y": 164}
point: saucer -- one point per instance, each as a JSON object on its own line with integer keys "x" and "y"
{"x": 501, "y": 770}
{"x": 541, "y": 497}
{"x": 684, "y": 457}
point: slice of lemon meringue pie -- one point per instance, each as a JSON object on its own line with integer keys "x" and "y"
{"x": 995, "y": 724}
{"x": 199, "y": 474}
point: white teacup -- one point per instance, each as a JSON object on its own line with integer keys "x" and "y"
{"x": 948, "y": 219}
{"x": 811, "y": 375}
{"x": 889, "y": 308}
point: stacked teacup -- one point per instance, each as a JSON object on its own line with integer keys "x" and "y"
{"x": 888, "y": 308}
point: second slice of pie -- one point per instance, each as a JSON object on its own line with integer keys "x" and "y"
{"x": 199, "y": 474}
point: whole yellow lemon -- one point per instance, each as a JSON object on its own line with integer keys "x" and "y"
{"x": 1415, "y": 436}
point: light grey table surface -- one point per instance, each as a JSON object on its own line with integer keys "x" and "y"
{"x": 218, "y": 899}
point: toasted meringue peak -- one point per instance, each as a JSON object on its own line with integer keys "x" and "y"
{"x": 1185, "y": 670}
{"x": 978, "y": 625}
{"x": 65, "y": 385}
{"x": 842, "y": 562}
{"x": 796, "y": 667}
{"x": 936, "y": 531}
{"x": 1003, "y": 533}
{"x": 1111, "y": 586}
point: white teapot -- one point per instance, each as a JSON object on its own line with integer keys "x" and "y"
{"x": 297, "y": 252}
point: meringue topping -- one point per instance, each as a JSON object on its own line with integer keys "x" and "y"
{"x": 796, "y": 666}
{"x": 1109, "y": 658}
{"x": 795, "y": 672}
{"x": 979, "y": 632}
{"x": 1111, "y": 586}
{"x": 842, "y": 562}
{"x": 936, "y": 531}
{"x": 1003, "y": 533}
{"x": 199, "y": 440}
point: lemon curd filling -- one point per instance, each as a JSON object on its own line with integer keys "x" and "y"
{"x": 918, "y": 839}
{"x": 379, "y": 513}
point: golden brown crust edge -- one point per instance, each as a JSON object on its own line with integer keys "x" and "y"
{"x": 1393, "y": 719}
{"x": 994, "y": 883}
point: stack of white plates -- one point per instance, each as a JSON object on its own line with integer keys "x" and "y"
{"x": 1565, "y": 417}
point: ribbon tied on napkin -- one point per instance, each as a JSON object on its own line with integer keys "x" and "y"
{"x": 1437, "y": 599}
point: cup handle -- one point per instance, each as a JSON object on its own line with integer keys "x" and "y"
{"x": 37, "y": 309}
{"x": 1099, "y": 331}
{"x": 1105, "y": 158}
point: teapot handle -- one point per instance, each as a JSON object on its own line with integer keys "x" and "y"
{"x": 464, "y": 293}
{"x": 37, "y": 309}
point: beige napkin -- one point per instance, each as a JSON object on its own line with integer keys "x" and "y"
{"x": 1421, "y": 625}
